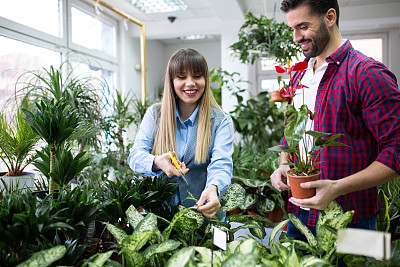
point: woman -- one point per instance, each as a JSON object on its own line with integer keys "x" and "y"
{"x": 190, "y": 123}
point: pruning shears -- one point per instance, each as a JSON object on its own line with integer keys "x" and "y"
{"x": 175, "y": 162}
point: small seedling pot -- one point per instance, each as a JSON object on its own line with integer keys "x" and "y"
{"x": 297, "y": 190}
{"x": 276, "y": 97}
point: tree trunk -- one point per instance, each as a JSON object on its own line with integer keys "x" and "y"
{"x": 52, "y": 168}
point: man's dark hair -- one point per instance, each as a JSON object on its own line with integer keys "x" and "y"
{"x": 317, "y": 7}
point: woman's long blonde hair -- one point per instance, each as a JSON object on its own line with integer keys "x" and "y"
{"x": 191, "y": 61}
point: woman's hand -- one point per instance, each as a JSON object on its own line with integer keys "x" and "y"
{"x": 164, "y": 163}
{"x": 209, "y": 203}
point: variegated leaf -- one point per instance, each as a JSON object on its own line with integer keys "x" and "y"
{"x": 181, "y": 257}
{"x": 193, "y": 214}
{"x": 325, "y": 237}
{"x": 240, "y": 260}
{"x": 231, "y": 247}
{"x": 134, "y": 259}
{"x": 292, "y": 260}
{"x": 165, "y": 246}
{"x": 275, "y": 231}
{"x": 45, "y": 257}
{"x": 313, "y": 261}
{"x": 233, "y": 197}
{"x": 132, "y": 243}
{"x": 98, "y": 260}
{"x": 249, "y": 200}
{"x": 259, "y": 231}
{"x": 281, "y": 251}
{"x": 116, "y": 232}
{"x": 134, "y": 217}
{"x": 246, "y": 218}
{"x": 304, "y": 229}
{"x": 186, "y": 223}
{"x": 248, "y": 246}
{"x": 266, "y": 205}
{"x": 204, "y": 256}
{"x": 149, "y": 223}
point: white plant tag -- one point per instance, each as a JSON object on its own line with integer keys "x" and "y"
{"x": 219, "y": 237}
{"x": 364, "y": 242}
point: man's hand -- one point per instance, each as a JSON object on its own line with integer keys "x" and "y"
{"x": 277, "y": 178}
{"x": 163, "y": 162}
{"x": 326, "y": 193}
{"x": 209, "y": 203}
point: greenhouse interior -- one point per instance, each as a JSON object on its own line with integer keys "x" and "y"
{"x": 199, "y": 133}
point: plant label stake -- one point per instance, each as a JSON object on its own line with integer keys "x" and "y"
{"x": 364, "y": 242}
{"x": 219, "y": 238}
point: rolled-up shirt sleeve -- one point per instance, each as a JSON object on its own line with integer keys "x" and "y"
{"x": 140, "y": 158}
{"x": 219, "y": 171}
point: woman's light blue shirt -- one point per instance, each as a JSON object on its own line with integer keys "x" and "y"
{"x": 219, "y": 171}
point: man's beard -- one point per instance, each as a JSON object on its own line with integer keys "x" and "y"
{"x": 319, "y": 43}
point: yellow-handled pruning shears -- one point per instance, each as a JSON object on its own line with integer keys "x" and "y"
{"x": 177, "y": 166}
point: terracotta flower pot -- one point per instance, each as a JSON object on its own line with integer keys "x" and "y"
{"x": 235, "y": 211}
{"x": 297, "y": 190}
{"x": 276, "y": 97}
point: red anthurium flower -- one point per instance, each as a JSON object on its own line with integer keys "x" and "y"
{"x": 300, "y": 86}
{"x": 284, "y": 92}
{"x": 296, "y": 67}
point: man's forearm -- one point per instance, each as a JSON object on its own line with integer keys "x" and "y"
{"x": 374, "y": 175}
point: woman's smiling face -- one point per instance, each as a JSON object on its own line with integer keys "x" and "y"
{"x": 189, "y": 87}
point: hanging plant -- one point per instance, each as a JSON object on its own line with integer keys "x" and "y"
{"x": 262, "y": 37}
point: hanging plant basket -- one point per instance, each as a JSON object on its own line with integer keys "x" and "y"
{"x": 260, "y": 37}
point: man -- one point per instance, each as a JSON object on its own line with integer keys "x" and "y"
{"x": 353, "y": 95}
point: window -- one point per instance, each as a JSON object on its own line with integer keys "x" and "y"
{"x": 91, "y": 32}
{"x": 371, "y": 45}
{"x": 42, "y": 15}
{"x": 264, "y": 77}
{"x": 17, "y": 57}
{"x": 37, "y": 34}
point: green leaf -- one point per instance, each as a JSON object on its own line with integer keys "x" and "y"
{"x": 181, "y": 257}
{"x": 165, "y": 246}
{"x": 149, "y": 223}
{"x": 133, "y": 243}
{"x": 295, "y": 124}
{"x": 275, "y": 231}
{"x": 98, "y": 260}
{"x": 134, "y": 259}
{"x": 354, "y": 260}
{"x": 233, "y": 197}
{"x": 45, "y": 257}
{"x": 240, "y": 260}
{"x": 249, "y": 201}
{"x": 266, "y": 205}
{"x": 292, "y": 259}
{"x": 313, "y": 261}
{"x": 304, "y": 230}
{"x": 134, "y": 217}
{"x": 116, "y": 232}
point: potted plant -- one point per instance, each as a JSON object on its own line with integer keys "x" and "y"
{"x": 86, "y": 95}
{"x": 54, "y": 122}
{"x": 17, "y": 145}
{"x": 262, "y": 37}
{"x": 303, "y": 163}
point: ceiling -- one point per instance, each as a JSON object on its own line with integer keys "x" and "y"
{"x": 201, "y": 14}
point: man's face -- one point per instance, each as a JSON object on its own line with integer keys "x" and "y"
{"x": 309, "y": 31}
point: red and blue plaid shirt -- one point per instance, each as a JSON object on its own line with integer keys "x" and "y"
{"x": 359, "y": 98}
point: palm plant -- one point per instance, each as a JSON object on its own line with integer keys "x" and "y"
{"x": 54, "y": 122}
{"x": 83, "y": 93}
{"x": 17, "y": 143}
